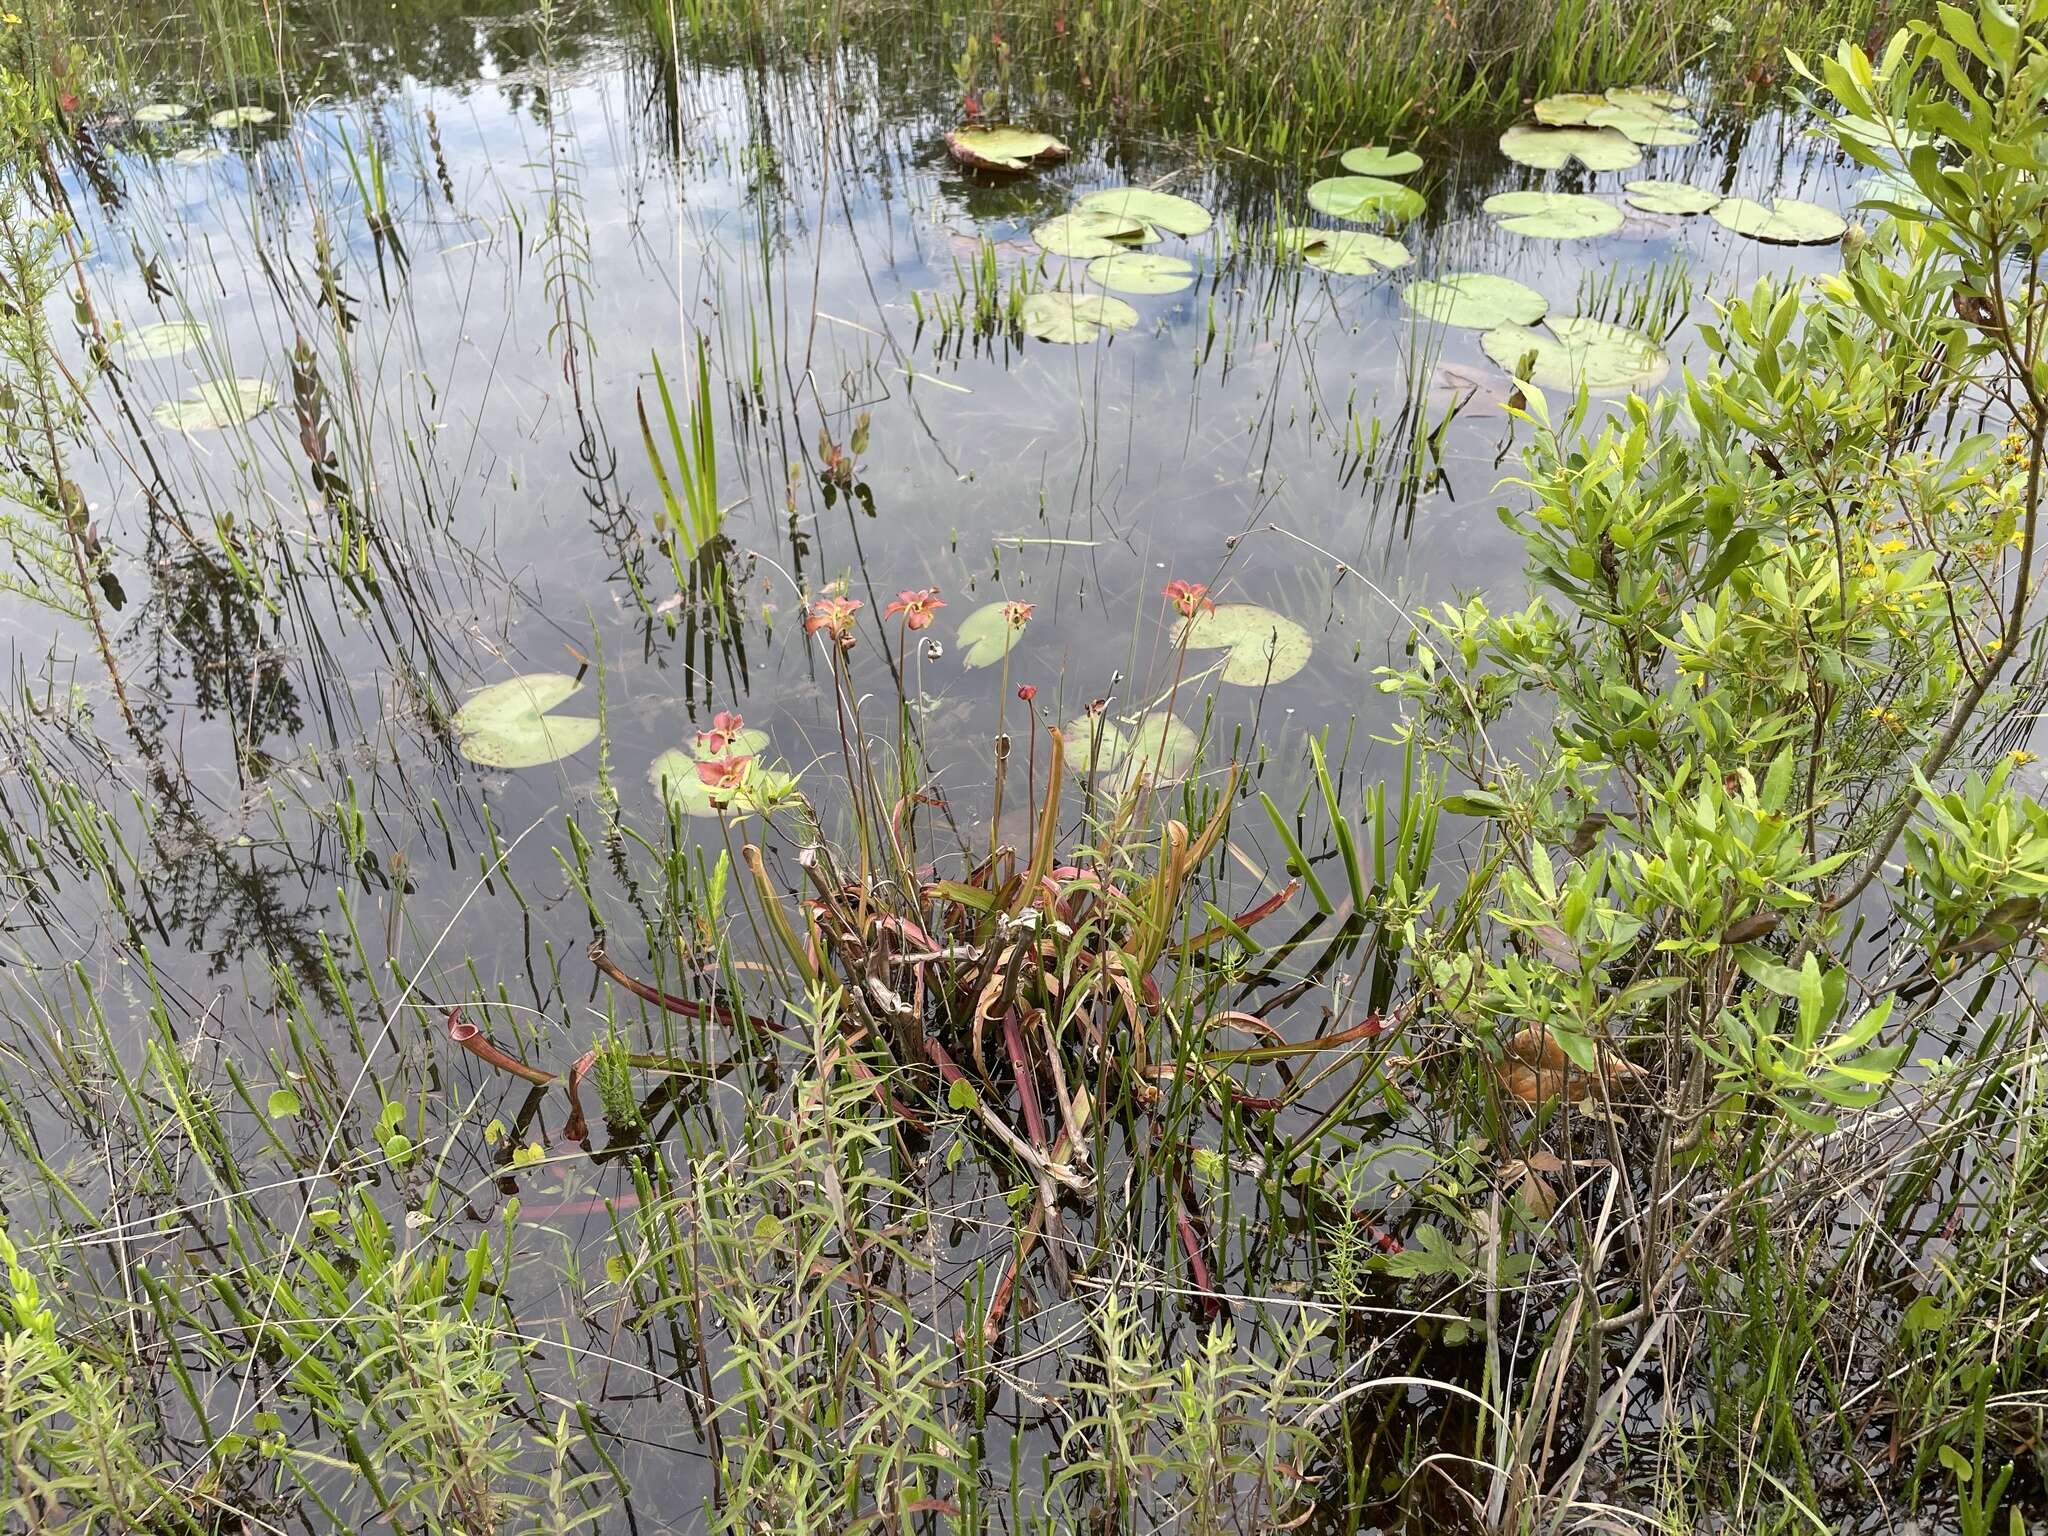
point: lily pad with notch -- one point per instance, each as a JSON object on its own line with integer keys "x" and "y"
{"x": 1576, "y": 349}
{"x": 1551, "y": 149}
{"x": 1479, "y": 300}
{"x": 1161, "y": 749}
{"x": 215, "y": 404}
{"x": 1071, "y": 319}
{"x": 161, "y": 112}
{"x": 1554, "y": 215}
{"x": 1674, "y": 197}
{"x": 240, "y": 117}
{"x": 1161, "y": 210}
{"x": 1141, "y": 272}
{"x": 1004, "y": 149}
{"x": 1380, "y": 160}
{"x": 1091, "y": 233}
{"x": 1646, "y": 125}
{"x": 507, "y": 725}
{"x": 1785, "y": 221}
{"x": 1365, "y": 199}
{"x": 168, "y": 338}
{"x": 987, "y": 635}
{"x": 674, "y": 774}
{"x": 1264, "y": 646}
{"x": 1349, "y": 252}
{"x": 1569, "y": 109}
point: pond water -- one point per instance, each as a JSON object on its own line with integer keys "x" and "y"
{"x": 479, "y": 239}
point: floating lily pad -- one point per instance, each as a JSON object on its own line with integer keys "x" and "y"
{"x": 1264, "y": 646}
{"x": 216, "y": 403}
{"x": 1646, "y": 125}
{"x": 1090, "y": 233}
{"x": 161, "y": 112}
{"x": 199, "y": 154}
{"x": 1648, "y": 96}
{"x": 1350, "y": 252}
{"x": 1554, "y": 215}
{"x": 1476, "y": 299}
{"x": 1569, "y": 109}
{"x": 1365, "y": 199}
{"x": 1093, "y": 743}
{"x": 1072, "y": 319}
{"x": 1670, "y": 197}
{"x": 237, "y": 117}
{"x": 1161, "y": 750}
{"x": 1004, "y": 149}
{"x": 674, "y": 773}
{"x": 987, "y": 635}
{"x": 1141, "y": 272}
{"x": 1573, "y": 350}
{"x": 168, "y": 339}
{"x": 1162, "y": 210}
{"x": 1786, "y": 221}
{"x": 507, "y": 725}
{"x": 1379, "y": 160}
{"x": 1550, "y": 149}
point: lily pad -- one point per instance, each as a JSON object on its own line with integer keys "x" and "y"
{"x": 1162, "y": 210}
{"x": 1786, "y": 221}
{"x": 1646, "y": 125}
{"x": 1004, "y": 149}
{"x": 1554, "y": 215}
{"x": 1648, "y": 96}
{"x": 171, "y": 338}
{"x": 1351, "y": 252}
{"x": 1569, "y": 109}
{"x": 674, "y": 773}
{"x": 1379, "y": 160}
{"x": 216, "y": 403}
{"x": 1264, "y": 646}
{"x": 1670, "y": 197}
{"x": 1476, "y": 299}
{"x": 507, "y": 725}
{"x": 1551, "y": 149}
{"x": 237, "y": 117}
{"x": 1090, "y": 233}
{"x": 987, "y": 635}
{"x": 1093, "y": 743}
{"x": 1574, "y": 350}
{"x": 199, "y": 154}
{"x": 1161, "y": 750}
{"x": 161, "y": 112}
{"x": 1365, "y": 199}
{"x": 1141, "y": 272}
{"x": 1072, "y": 319}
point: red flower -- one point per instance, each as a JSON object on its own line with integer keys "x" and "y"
{"x": 1027, "y": 692}
{"x": 1016, "y": 615}
{"x": 1190, "y": 597}
{"x": 725, "y": 774}
{"x": 725, "y": 729}
{"x": 918, "y": 608}
{"x": 834, "y": 615}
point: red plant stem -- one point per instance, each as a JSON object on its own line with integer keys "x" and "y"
{"x": 1027, "y": 1085}
{"x": 1198, "y": 1266}
{"x": 670, "y": 1002}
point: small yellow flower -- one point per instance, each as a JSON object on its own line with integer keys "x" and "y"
{"x": 1883, "y": 716}
{"x": 1891, "y": 546}
{"x": 2020, "y": 756}
{"x": 10, "y": 18}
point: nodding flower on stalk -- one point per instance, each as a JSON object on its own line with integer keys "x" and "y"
{"x": 725, "y": 730}
{"x": 918, "y": 607}
{"x": 1016, "y": 615}
{"x": 834, "y": 615}
{"x": 1190, "y": 597}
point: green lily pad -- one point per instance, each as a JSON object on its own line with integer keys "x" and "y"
{"x": 216, "y": 403}
{"x": 1476, "y": 299}
{"x": 1378, "y": 160}
{"x": 1162, "y": 210}
{"x": 171, "y": 338}
{"x": 1569, "y": 109}
{"x": 283, "y": 1104}
{"x": 1575, "y": 350}
{"x": 1670, "y": 197}
{"x": 1554, "y": 215}
{"x": 1090, "y": 233}
{"x": 237, "y": 117}
{"x": 1787, "y": 221}
{"x": 1004, "y": 149}
{"x": 161, "y": 112}
{"x": 1550, "y": 149}
{"x": 1646, "y": 125}
{"x": 1365, "y": 199}
{"x": 1093, "y": 743}
{"x": 1072, "y": 319}
{"x": 1161, "y": 750}
{"x": 1350, "y": 252}
{"x": 1141, "y": 272}
{"x": 987, "y": 635}
{"x": 1265, "y": 647}
{"x": 674, "y": 774}
{"x": 199, "y": 154}
{"x": 507, "y": 725}
{"x": 1649, "y": 97}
